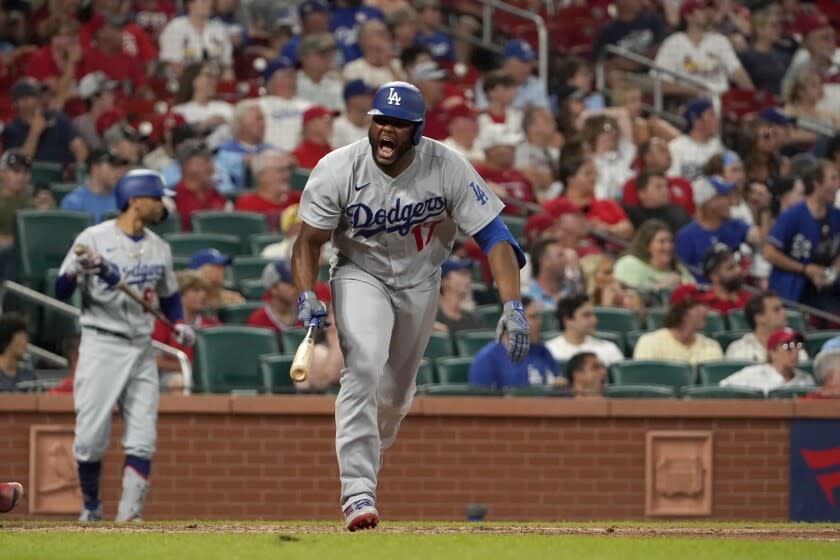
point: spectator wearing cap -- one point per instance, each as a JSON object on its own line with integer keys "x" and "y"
{"x": 96, "y": 197}
{"x": 499, "y": 88}
{"x": 282, "y": 107}
{"x": 654, "y": 202}
{"x": 430, "y": 34}
{"x": 817, "y": 50}
{"x": 764, "y": 314}
{"x": 635, "y": 28}
{"x": 43, "y": 134}
{"x": 314, "y": 18}
{"x": 353, "y": 124}
{"x": 691, "y": 151}
{"x": 97, "y": 91}
{"x": 699, "y": 52}
{"x": 210, "y": 264}
{"x": 317, "y": 80}
{"x": 518, "y": 62}
{"x": 377, "y": 65}
{"x": 538, "y": 156}
{"x": 726, "y": 279}
{"x": 780, "y": 370}
{"x": 107, "y": 53}
{"x": 402, "y": 25}
{"x": 576, "y": 317}
{"x": 57, "y": 64}
{"x": 235, "y": 156}
{"x": 272, "y": 170}
{"x": 827, "y": 374}
{"x": 681, "y": 338}
{"x": 195, "y": 101}
{"x": 654, "y": 155}
{"x": 650, "y": 265}
{"x": 713, "y": 224}
{"x": 196, "y": 189}
{"x": 153, "y": 15}
{"x": 428, "y": 77}
{"x": 498, "y": 170}
{"x": 463, "y": 132}
{"x": 492, "y": 368}
{"x": 280, "y": 310}
{"x": 317, "y": 131}
{"x": 14, "y": 192}
{"x": 455, "y": 302}
{"x": 804, "y": 243}
{"x": 124, "y": 141}
{"x": 194, "y": 37}
{"x": 193, "y": 289}
{"x": 553, "y": 276}
{"x": 765, "y": 63}
{"x": 347, "y": 19}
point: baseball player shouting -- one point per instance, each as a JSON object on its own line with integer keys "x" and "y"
{"x": 391, "y": 205}
{"x": 116, "y": 362}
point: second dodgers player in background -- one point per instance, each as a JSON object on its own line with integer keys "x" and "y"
{"x": 391, "y": 204}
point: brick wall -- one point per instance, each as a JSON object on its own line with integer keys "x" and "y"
{"x": 542, "y": 459}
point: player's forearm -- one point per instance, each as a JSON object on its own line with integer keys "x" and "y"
{"x": 505, "y": 270}
{"x": 305, "y": 255}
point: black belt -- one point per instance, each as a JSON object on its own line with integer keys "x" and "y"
{"x": 109, "y": 332}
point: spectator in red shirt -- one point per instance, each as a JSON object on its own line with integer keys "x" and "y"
{"x": 500, "y": 88}
{"x": 280, "y": 310}
{"x": 428, "y": 77}
{"x": 195, "y": 190}
{"x": 654, "y": 154}
{"x": 497, "y": 169}
{"x": 317, "y": 131}
{"x": 153, "y": 15}
{"x": 107, "y": 54}
{"x": 726, "y": 278}
{"x": 272, "y": 170}
{"x": 57, "y": 64}
{"x": 193, "y": 289}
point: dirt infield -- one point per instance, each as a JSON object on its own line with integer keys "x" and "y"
{"x": 805, "y": 532}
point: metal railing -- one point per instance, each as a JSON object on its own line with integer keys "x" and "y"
{"x": 69, "y": 310}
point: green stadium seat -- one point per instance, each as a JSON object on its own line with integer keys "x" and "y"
{"x": 60, "y": 190}
{"x": 426, "y": 372}
{"x": 711, "y": 373}
{"x": 617, "y": 320}
{"x": 248, "y": 268}
{"x": 226, "y": 358}
{"x": 796, "y": 320}
{"x": 241, "y": 224}
{"x": 252, "y": 290}
{"x": 616, "y": 338}
{"x": 299, "y": 179}
{"x": 439, "y": 346}
{"x": 545, "y": 336}
{"x": 45, "y": 173}
{"x": 324, "y": 273}
{"x": 260, "y": 241}
{"x": 291, "y": 339}
{"x": 453, "y": 370}
{"x": 516, "y": 225}
{"x": 639, "y": 392}
{"x": 460, "y": 390}
{"x": 715, "y": 322}
{"x": 632, "y": 338}
{"x": 807, "y": 367}
{"x": 561, "y": 367}
{"x": 814, "y": 340}
{"x": 43, "y": 238}
{"x": 657, "y": 372}
{"x": 484, "y": 295}
{"x": 468, "y": 343}
{"x": 713, "y": 392}
{"x": 654, "y": 318}
{"x": 172, "y": 224}
{"x": 238, "y": 313}
{"x": 549, "y": 321}
{"x": 537, "y": 391}
{"x": 725, "y": 338}
{"x": 180, "y": 263}
{"x": 790, "y": 392}
{"x": 54, "y": 327}
{"x": 275, "y": 373}
{"x": 185, "y": 244}
{"x": 489, "y": 315}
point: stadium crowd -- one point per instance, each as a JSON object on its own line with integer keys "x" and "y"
{"x": 685, "y": 229}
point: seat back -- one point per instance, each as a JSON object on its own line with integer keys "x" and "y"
{"x": 725, "y": 338}
{"x": 617, "y": 320}
{"x": 488, "y": 315}
{"x": 458, "y": 390}
{"x": 227, "y": 358}
{"x": 715, "y": 322}
{"x": 60, "y": 189}
{"x": 172, "y": 224}
{"x": 248, "y": 268}
{"x": 275, "y": 373}
{"x": 814, "y": 340}
{"x": 237, "y": 313}
{"x": 537, "y": 391}
{"x": 185, "y": 244}
{"x": 260, "y": 241}
{"x": 291, "y": 339}
{"x": 439, "y": 346}
{"x": 657, "y": 372}
{"x": 469, "y": 342}
{"x": 42, "y": 240}
{"x": 641, "y": 391}
{"x": 240, "y": 224}
{"x": 453, "y": 370}
{"x": 721, "y": 393}
{"x": 790, "y": 392}
{"x": 45, "y": 173}
{"x": 711, "y": 373}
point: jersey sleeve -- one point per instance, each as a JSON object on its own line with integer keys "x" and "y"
{"x": 320, "y": 204}
{"x": 168, "y": 284}
{"x": 782, "y": 231}
{"x": 728, "y": 57}
{"x": 170, "y": 42}
{"x": 471, "y": 202}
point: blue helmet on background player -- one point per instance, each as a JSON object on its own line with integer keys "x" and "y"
{"x": 401, "y": 100}
{"x": 141, "y": 183}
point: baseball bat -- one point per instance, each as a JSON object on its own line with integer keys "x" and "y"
{"x": 80, "y": 249}
{"x": 302, "y": 362}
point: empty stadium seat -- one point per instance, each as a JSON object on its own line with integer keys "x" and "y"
{"x": 42, "y": 240}
{"x": 45, "y": 173}
{"x": 172, "y": 224}
{"x": 658, "y": 372}
{"x": 616, "y": 338}
{"x": 426, "y": 372}
{"x": 252, "y": 290}
{"x": 185, "y": 244}
{"x": 721, "y": 393}
{"x": 711, "y": 373}
{"x": 291, "y": 339}
{"x": 632, "y": 338}
{"x": 226, "y": 358}
{"x": 639, "y": 392}
{"x": 240, "y": 224}
{"x": 468, "y": 343}
{"x": 617, "y": 320}
{"x": 815, "y": 340}
{"x": 60, "y": 190}
{"x": 238, "y": 313}
{"x": 654, "y": 318}
{"x": 790, "y": 392}
{"x": 715, "y": 322}
{"x": 248, "y": 268}
{"x": 260, "y": 241}
{"x": 299, "y": 179}
{"x": 275, "y": 373}
{"x": 489, "y": 315}
{"x": 453, "y": 370}
{"x": 549, "y": 321}
{"x": 460, "y": 390}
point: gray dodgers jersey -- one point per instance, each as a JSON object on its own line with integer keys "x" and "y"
{"x": 398, "y": 229}
{"x": 145, "y": 265}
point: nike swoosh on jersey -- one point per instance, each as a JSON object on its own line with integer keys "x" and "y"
{"x": 360, "y": 187}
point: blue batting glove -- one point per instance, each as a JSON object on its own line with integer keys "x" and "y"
{"x": 519, "y": 336}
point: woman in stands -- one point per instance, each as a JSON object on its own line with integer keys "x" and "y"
{"x": 760, "y": 148}
{"x": 609, "y": 136}
{"x": 602, "y": 287}
{"x": 802, "y": 93}
{"x": 195, "y": 101}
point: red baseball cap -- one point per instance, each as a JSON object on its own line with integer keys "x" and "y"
{"x": 685, "y": 292}
{"x": 108, "y": 119}
{"x": 462, "y": 110}
{"x": 782, "y": 336}
{"x": 317, "y": 112}
{"x": 556, "y": 207}
{"x": 166, "y": 123}
{"x": 536, "y": 224}
{"x": 689, "y": 6}
{"x": 812, "y": 22}
{"x": 322, "y": 291}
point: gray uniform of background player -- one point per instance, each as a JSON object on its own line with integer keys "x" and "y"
{"x": 391, "y": 234}
{"x": 112, "y": 369}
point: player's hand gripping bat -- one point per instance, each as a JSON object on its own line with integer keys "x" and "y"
{"x": 303, "y": 356}
{"x": 80, "y": 250}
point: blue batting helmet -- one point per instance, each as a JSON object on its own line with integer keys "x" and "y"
{"x": 401, "y": 100}
{"x": 139, "y": 182}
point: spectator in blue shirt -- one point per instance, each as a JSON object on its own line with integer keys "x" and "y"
{"x": 346, "y": 19}
{"x": 96, "y": 197}
{"x": 314, "y": 18}
{"x": 430, "y": 35}
{"x": 713, "y": 200}
{"x": 234, "y": 156}
{"x": 586, "y": 374}
{"x": 519, "y": 60}
{"x": 492, "y": 368}
{"x": 804, "y": 243}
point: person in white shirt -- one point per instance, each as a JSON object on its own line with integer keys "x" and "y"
{"x": 538, "y": 157}
{"x": 499, "y": 88}
{"x": 691, "y": 151}
{"x": 282, "y": 107}
{"x": 701, "y": 53}
{"x": 353, "y": 124}
{"x": 764, "y": 314}
{"x": 195, "y": 102}
{"x": 377, "y": 66}
{"x": 317, "y": 80}
{"x": 818, "y": 51}
{"x": 577, "y": 317}
{"x": 463, "y": 132}
{"x": 195, "y": 37}
{"x": 783, "y": 346}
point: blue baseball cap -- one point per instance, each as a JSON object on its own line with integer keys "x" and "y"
{"x": 706, "y": 188}
{"x": 275, "y": 272}
{"x": 773, "y": 115}
{"x": 208, "y": 256}
{"x": 450, "y": 265}
{"x": 313, "y": 6}
{"x": 831, "y": 344}
{"x": 517, "y": 48}
{"x": 694, "y": 109}
{"x": 357, "y": 87}
{"x": 279, "y": 63}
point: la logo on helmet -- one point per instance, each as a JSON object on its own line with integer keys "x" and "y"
{"x": 393, "y": 97}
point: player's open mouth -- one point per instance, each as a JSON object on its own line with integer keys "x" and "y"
{"x": 386, "y": 148}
